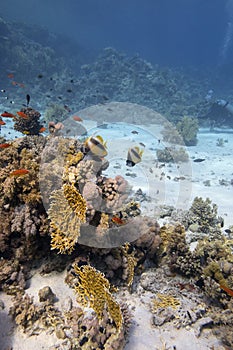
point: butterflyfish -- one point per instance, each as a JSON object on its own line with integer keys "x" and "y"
{"x": 134, "y": 156}
{"x": 96, "y": 145}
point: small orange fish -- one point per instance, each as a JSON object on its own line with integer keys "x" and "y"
{"x": 22, "y": 115}
{"x": 14, "y": 83}
{"x": 77, "y": 118}
{"x": 5, "y": 145}
{"x": 21, "y": 85}
{"x": 42, "y": 129}
{"x": 19, "y": 172}
{"x": 118, "y": 220}
{"x": 10, "y": 75}
{"x": 227, "y": 290}
{"x": 7, "y": 115}
{"x": 2, "y": 122}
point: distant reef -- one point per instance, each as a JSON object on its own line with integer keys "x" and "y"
{"x": 56, "y": 71}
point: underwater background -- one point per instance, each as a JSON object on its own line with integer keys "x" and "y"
{"x": 116, "y": 176}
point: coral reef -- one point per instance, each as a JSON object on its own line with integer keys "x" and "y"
{"x": 89, "y": 208}
{"x": 29, "y": 124}
{"x": 23, "y": 218}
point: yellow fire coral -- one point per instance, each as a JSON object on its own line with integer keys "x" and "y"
{"x": 164, "y": 301}
{"x": 131, "y": 262}
{"x": 76, "y": 201}
{"x": 67, "y": 213}
{"x": 94, "y": 290}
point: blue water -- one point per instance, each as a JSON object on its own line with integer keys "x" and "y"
{"x": 167, "y": 32}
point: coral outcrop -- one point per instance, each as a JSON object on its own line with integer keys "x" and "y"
{"x": 30, "y": 123}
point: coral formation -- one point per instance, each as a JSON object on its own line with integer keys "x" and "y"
{"x": 79, "y": 195}
{"x": 29, "y": 125}
{"x": 56, "y": 113}
{"x": 97, "y": 293}
{"x": 183, "y": 133}
{"x": 204, "y": 213}
{"x": 66, "y": 213}
{"x": 23, "y": 218}
{"x": 188, "y": 127}
{"x": 163, "y": 301}
{"x": 172, "y": 155}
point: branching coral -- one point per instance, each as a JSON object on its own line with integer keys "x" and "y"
{"x": 173, "y": 239}
{"x": 204, "y": 212}
{"x": 24, "y": 312}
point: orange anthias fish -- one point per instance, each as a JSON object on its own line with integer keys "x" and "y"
{"x": 19, "y": 172}
{"x": 77, "y": 118}
{"x": 7, "y": 115}
{"x": 5, "y": 145}
{"x": 10, "y": 75}
{"x": 227, "y": 290}
{"x": 42, "y": 129}
{"x": 2, "y": 122}
{"x": 22, "y": 115}
{"x": 118, "y": 220}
